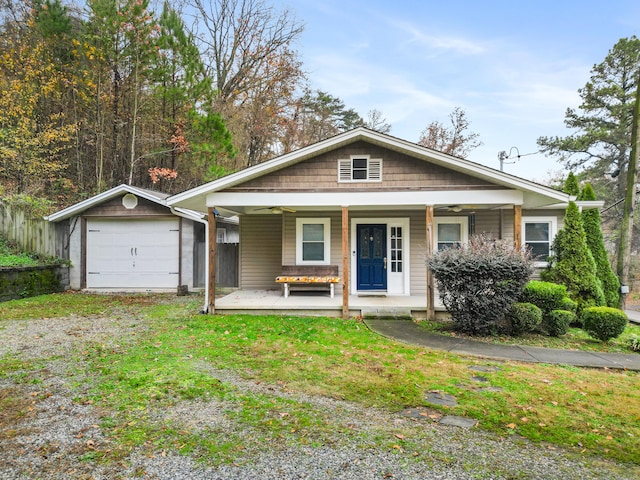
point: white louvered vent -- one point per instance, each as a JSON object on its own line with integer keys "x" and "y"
{"x": 373, "y": 170}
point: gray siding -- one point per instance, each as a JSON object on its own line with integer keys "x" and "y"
{"x": 260, "y": 251}
{"x": 399, "y": 172}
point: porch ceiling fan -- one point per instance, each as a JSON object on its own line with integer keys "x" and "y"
{"x": 458, "y": 208}
{"x": 277, "y": 210}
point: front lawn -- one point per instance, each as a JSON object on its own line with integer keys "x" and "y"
{"x": 587, "y": 411}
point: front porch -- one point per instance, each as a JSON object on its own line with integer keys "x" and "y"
{"x": 273, "y": 302}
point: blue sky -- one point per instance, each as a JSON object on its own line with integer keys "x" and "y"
{"x": 513, "y": 66}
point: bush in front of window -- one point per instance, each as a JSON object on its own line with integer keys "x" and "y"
{"x": 604, "y": 323}
{"x": 593, "y": 231}
{"x": 545, "y": 295}
{"x": 480, "y": 281}
{"x": 572, "y": 264}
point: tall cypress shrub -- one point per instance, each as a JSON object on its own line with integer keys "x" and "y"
{"x": 593, "y": 231}
{"x": 571, "y": 185}
{"x": 572, "y": 264}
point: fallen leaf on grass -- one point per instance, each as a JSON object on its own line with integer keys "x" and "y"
{"x": 399, "y": 435}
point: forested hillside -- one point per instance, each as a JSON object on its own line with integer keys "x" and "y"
{"x": 120, "y": 91}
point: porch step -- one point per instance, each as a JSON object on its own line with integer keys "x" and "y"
{"x": 386, "y": 312}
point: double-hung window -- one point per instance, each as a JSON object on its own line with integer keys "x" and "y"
{"x": 538, "y": 233}
{"x": 313, "y": 241}
{"x": 360, "y": 168}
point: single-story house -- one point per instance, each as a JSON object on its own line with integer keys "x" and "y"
{"x": 371, "y": 207}
{"x": 129, "y": 239}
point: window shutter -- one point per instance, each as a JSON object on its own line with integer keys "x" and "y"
{"x": 344, "y": 170}
{"x": 375, "y": 169}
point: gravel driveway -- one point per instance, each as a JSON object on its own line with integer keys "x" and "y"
{"x": 45, "y": 433}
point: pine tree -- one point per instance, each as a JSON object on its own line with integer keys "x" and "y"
{"x": 593, "y": 231}
{"x": 572, "y": 264}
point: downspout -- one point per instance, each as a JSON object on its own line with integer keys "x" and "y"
{"x": 205, "y": 222}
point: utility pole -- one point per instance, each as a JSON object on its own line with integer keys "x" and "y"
{"x": 626, "y": 228}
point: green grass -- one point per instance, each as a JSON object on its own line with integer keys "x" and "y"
{"x": 70, "y": 303}
{"x": 587, "y": 411}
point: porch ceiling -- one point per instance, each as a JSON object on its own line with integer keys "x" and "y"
{"x": 244, "y": 203}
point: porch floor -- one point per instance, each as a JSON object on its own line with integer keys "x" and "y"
{"x": 318, "y": 303}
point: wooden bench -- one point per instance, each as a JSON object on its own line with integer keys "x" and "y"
{"x": 308, "y": 276}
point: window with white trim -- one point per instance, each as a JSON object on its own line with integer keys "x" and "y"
{"x": 537, "y": 235}
{"x": 360, "y": 168}
{"x": 221, "y": 235}
{"x": 313, "y": 241}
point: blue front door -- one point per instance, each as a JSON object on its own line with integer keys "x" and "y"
{"x": 372, "y": 257}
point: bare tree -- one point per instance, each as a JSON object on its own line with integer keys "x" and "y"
{"x": 375, "y": 121}
{"x": 247, "y": 49}
{"x": 455, "y": 140}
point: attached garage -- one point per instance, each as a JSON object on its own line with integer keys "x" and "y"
{"x": 134, "y": 253}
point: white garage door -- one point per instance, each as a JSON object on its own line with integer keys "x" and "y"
{"x": 135, "y": 254}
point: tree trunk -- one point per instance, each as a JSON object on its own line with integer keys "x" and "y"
{"x": 626, "y": 228}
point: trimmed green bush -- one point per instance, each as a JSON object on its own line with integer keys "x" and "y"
{"x": 524, "y": 317}
{"x": 569, "y": 305}
{"x": 557, "y": 322}
{"x": 479, "y": 282}
{"x": 604, "y": 323}
{"x": 545, "y": 295}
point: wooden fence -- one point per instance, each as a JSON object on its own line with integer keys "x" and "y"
{"x": 34, "y": 234}
{"x": 227, "y": 264}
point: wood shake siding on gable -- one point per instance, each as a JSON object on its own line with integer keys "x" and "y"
{"x": 398, "y": 172}
{"x": 114, "y": 208}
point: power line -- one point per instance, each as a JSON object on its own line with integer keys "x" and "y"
{"x": 502, "y": 156}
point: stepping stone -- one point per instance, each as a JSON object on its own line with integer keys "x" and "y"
{"x": 490, "y": 389}
{"x": 478, "y": 378}
{"x": 483, "y": 368}
{"x": 420, "y": 413}
{"x": 462, "y": 422}
{"x": 441, "y": 398}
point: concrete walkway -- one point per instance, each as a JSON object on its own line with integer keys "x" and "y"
{"x": 407, "y": 331}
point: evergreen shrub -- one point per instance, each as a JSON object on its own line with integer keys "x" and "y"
{"x": 524, "y": 317}
{"x": 593, "y": 231}
{"x": 572, "y": 263}
{"x": 557, "y": 322}
{"x": 569, "y": 305}
{"x": 604, "y": 323}
{"x": 479, "y": 281}
{"x": 547, "y": 296}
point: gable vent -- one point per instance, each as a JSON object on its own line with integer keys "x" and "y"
{"x": 373, "y": 169}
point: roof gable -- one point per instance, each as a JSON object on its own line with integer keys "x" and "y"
{"x": 158, "y": 198}
{"x": 397, "y": 171}
{"x": 193, "y": 198}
